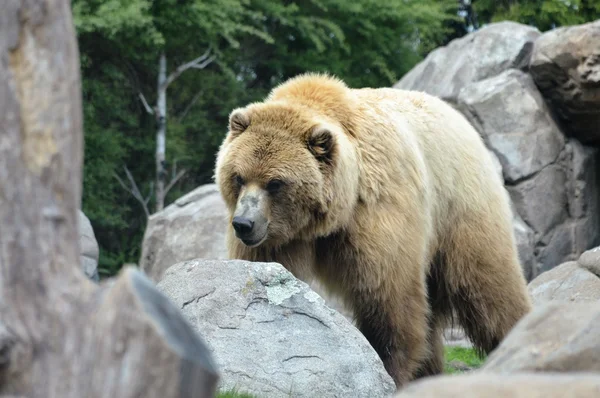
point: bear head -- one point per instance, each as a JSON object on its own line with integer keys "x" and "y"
{"x": 286, "y": 171}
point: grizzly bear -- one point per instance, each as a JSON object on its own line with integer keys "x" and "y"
{"x": 391, "y": 199}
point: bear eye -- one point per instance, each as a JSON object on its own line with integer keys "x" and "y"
{"x": 274, "y": 185}
{"x": 239, "y": 180}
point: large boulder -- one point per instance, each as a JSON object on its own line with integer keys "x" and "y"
{"x": 514, "y": 121}
{"x": 573, "y": 281}
{"x": 88, "y": 247}
{"x": 523, "y": 385}
{"x": 192, "y": 227}
{"x": 474, "y": 57}
{"x": 271, "y": 335}
{"x": 554, "y": 337}
{"x": 552, "y": 181}
{"x": 565, "y": 64}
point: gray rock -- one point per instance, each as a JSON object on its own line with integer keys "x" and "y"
{"x": 525, "y": 239}
{"x": 474, "y": 57}
{"x": 568, "y": 282}
{"x": 88, "y": 247}
{"x": 590, "y": 260}
{"x": 556, "y": 247}
{"x": 542, "y": 200}
{"x": 583, "y": 194}
{"x": 565, "y": 64}
{"x": 192, "y": 227}
{"x": 522, "y": 385}
{"x": 513, "y": 119}
{"x": 554, "y": 337}
{"x": 271, "y": 335}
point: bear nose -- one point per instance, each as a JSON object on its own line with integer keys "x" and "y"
{"x": 242, "y": 225}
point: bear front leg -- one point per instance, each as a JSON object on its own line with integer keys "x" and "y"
{"x": 393, "y": 318}
{"x": 383, "y": 275}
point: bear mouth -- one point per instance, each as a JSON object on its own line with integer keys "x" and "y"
{"x": 253, "y": 242}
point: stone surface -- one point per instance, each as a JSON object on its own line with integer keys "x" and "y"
{"x": 474, "y": 57}
{"x": 192, "y": 227}
{"x": 523, "y": 385}
{"x": 88, "y": 247}
{"x": 271, "y": 335}
{"x": 590, "y": 260}
{"x": 565, "y": 64}
{"x": 513, "y": 119}
{"x": 567, "y": 282}
{"x": 555, "y": 336}
{"x": 542, "y": 200}
{"x": 525, "y": 239}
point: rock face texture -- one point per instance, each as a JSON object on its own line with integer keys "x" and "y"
{"x": 271, "y": 335}
{"x": 554, "y": 337}
{"x": 478, "y": 56}
{"x": 192, "y": 227}
{"x": 565, "y": 64}
{"x": 522, "y": 385}
{"x": 88, "y": 246}
{"x": 573, "y": 281}
{"x": 510, "y": 81}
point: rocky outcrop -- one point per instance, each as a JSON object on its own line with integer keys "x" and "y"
{"x": 191, "y": 227}
{"x": 271, "y": 335}
{"x": 478, "y": 56}
{"x": 573, "y": 281}
{"x": 552, "y": 178}
{"x": 554, "y": 337}
{"x": 523, "y": 385}
{"x": 514, "y": 121}
{"x": 88, "y": 247}
{"x": 565, "y": 64}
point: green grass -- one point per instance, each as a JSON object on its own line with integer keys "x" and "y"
{"x": 233, "y": 394}
{"x": 466, "y": 356}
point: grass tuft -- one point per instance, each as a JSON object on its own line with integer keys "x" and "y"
{"x": 460, "y": 356}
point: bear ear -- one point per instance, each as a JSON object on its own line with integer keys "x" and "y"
{"x": 238, "y": 121}
{"x": 321, "y": 143}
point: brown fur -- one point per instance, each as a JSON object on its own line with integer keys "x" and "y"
{"x": 399, "y": 210}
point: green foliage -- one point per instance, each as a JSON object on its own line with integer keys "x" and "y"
{"x": 543, "y": 14}
{"x": 234, "y": 394}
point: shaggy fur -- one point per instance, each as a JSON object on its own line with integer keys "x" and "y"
{"x": 391, "y": 199}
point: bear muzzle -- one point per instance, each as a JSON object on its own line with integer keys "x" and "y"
{"x": 249, "y": 221}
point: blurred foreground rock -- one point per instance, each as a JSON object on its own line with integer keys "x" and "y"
{"x": 523, "y": 385}
{"x": 271, "y": 335}
{"x": 573, "y": 281}
{"x": 554, "y": 337}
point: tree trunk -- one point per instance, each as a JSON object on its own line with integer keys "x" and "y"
{"x": 161, "y": 106}
{"x": 60, "y": 334}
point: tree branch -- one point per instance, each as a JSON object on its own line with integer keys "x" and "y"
{"x": 148, "y": 107}
{"x": 174, "y": 181}
{"x": 190, "y": 105}
{"x": 134, "y": 190}
{"x": 199, "y": 63}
